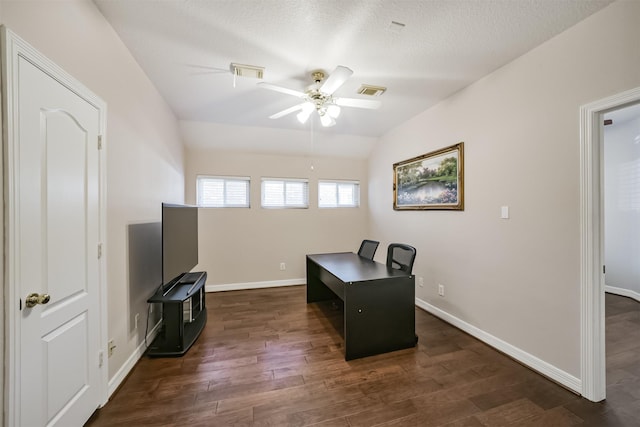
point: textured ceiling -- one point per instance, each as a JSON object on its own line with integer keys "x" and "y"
{"x": 186, "y": 47}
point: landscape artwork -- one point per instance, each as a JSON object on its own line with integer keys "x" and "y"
{"x": 431, "y": 181}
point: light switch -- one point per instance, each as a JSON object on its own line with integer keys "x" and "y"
{"x": 504, "y": 212}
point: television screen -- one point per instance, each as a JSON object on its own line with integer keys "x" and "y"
{"x": 179, "y": 240}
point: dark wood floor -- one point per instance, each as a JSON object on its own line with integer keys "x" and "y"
{"x": 266, "y": 358}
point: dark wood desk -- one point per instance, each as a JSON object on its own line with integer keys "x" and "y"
{"x": 379, "y": 303}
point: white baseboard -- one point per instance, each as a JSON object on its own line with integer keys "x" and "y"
{"x": 122, "y": 373}
{"x": 622, "y": 292}
{"x": 254, "y": 285}
{"x": 546, "y": 369}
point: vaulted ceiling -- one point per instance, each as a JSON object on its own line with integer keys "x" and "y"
{"x": 421, "y": 51}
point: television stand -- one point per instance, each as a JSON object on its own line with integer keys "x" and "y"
{"x": 184, "y": 314}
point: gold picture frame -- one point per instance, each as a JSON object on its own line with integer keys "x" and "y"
{"x": 431, "y": 181}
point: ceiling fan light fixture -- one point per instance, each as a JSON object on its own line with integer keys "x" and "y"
{"x": 305, "y": 111}
{"x": 303, "y": 116}
{"x": 333, "y": 111}
{"x": 327, "y": 121}
{"x": 308, "y": 107}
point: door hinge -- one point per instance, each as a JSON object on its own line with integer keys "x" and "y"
{"x": 100, "y": 359}
{"x": 99, "y": 250}
{"x": 99, "y": 142}
{"x": 604, "y": 269}
{"x": 19, "y": 304}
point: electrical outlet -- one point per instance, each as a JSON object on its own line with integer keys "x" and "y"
{"x": 283, "y": 266}
{"x": 136, "y": 319}
{"x": 421, "y": 282}
{"x": 441, "y": 290}
{"x": 111, "y": 347}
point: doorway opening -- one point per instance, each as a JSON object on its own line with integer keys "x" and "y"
{"x": 622, "y": 250}
{"x": 593, "y": 358}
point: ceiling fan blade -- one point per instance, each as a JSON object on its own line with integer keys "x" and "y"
{"x": 288, "y": 91}
{"x": 336, "y": 79}
{"x": 287, "y": 111}
{"x": 358, "y": 103}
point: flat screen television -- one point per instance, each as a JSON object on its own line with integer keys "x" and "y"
{"x": 179, "y": 240}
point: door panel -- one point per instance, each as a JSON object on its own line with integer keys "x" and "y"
{"x": 54, "y": 204}
{"x": 56, "y": 180}
{"x": 66, "y": 207}
{"x": 66, "y": 183}
{"x": 68, "y": 380}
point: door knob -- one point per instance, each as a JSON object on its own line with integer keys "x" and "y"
{"x": 35, "y": 299}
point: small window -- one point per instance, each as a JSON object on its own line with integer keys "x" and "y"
{"x": 222, "y": 191}
{"x": 285, "y": 193}
{"x": 338, "y": 194}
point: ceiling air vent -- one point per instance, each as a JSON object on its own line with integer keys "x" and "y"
{"x": 242, "y": 70}
{"x": 371, "y": 90}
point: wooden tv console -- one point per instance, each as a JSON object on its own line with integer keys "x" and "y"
{"x": 184, "y": 314}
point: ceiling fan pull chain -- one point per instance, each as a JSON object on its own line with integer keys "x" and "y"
{"x": 311, "y": 125}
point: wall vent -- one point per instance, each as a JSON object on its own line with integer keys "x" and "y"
{"x": 371, "y": 90}
{"x": 242, "y": 70}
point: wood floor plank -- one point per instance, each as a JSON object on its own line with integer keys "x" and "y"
{"x": 325, "y": 414}
{"x": 266, "y": 358}
{"x": 247, "y": 389}
{"x": 437, "y": 412}
{"x": 510, "y": 414}
{"x": 384, "y": 412}
{"x": 389, "y": 390}
{"x": 556, "y": 417}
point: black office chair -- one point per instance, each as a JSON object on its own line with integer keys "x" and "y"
{"x": 368, "y": 248}
{"x": 401, "y": 257}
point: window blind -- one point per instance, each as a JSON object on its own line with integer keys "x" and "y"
{"x": 285, "y": 193}
{"x": 222, "y": 192}
{"x": 338, "y": 194}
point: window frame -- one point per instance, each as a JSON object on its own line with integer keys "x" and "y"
{"x": 225, "y": 179}
{"x": 336, "y": 183}
{"x": 304, "y": 181}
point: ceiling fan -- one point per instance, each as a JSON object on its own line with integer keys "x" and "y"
{"x": 319, "y": 97}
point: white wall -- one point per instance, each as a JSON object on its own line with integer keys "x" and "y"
{"x": 240, "y": 247}
{"x": 144, "y": 150}
{"x": 518, "y": 279}
{"x": 3, "y": 284}
{"x": 309, "y": 140}
{"x": 622, "y": 207}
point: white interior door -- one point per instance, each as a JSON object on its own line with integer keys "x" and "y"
{"x": 53, "y": 195}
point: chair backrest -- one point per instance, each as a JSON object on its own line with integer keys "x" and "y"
{"x": 401, "y": 257}
{"x": 368, "y": 248}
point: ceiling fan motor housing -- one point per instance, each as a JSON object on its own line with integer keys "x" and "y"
{"x": 318, "y": 76}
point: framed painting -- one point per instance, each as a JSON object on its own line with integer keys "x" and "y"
{"x": 432, "y": 181}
